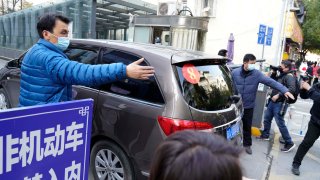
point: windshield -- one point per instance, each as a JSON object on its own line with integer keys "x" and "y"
{"x": 205, "y": 86}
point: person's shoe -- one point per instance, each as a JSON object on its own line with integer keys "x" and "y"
{"x": 248, "y": 149}
{"x": 263, "y": 138}
{"x": 281, "y": 140}
{"x": 288, "y": 147}
{"x": 295, "y": 170}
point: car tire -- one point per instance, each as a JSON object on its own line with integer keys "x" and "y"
{"x": 101, "y": 167}
{"x": 4, "y": 101}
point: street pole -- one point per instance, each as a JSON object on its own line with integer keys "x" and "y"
{"x": 283, "y": 31}
{"x": 264, "y": 44}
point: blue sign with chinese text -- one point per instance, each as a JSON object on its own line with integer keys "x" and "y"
{"x": 269, "y": 36}
{"x": 46, "y": 142}
{"x": 262, "y": 34}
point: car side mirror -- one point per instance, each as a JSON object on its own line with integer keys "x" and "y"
{"x": 13, "y": 64}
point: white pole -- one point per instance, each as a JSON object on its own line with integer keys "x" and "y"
{"x": 282, "y": 41}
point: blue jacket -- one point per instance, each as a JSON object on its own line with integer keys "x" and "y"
{"x": 247, "y": 85}
{"x": 47, "y": 75}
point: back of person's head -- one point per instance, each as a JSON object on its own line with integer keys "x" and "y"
{"x": 48, "y": 21}
{"x": 249, "y": 57}
{"x": 198, "y": 156}
{"x": 223, "y": 52}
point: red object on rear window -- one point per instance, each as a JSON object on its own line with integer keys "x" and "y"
{"x": 191, "y": 73}
{"x": 170, "y": 126}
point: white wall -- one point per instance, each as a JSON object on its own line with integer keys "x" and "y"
{"x": 242, "y": 18}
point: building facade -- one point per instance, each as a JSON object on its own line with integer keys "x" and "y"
{"x": 103, "y": 19}
{"x": 244, "y": 17}
{"x": 111, "y": 19}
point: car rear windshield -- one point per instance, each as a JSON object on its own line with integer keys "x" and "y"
{"x": 206, "y": 85}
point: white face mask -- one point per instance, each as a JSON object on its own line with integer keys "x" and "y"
{"x": 63, "y": 42}
{"x": 251, "y": 67}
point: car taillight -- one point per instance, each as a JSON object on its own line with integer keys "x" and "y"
{"x": 169, "y": 125}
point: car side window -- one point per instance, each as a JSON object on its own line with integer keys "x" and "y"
{"x": 82, "y": 55}
{"x": 146, "y": 90}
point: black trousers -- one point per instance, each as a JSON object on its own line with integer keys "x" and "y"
{"x": 311, "y": 136}
{"x": 247, "y": 123}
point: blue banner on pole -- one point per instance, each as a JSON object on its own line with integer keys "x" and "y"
{"x": 269, "y": 36}
{"x": 46, "y": 142}
{"x": 262, "y": 34}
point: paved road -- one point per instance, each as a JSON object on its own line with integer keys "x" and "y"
{"x": 281, "y": 164}
{"x": 268, "y": 162}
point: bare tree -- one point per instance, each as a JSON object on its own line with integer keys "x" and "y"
{"x": 8, "y": 6}
{"x": 2, "y": 7}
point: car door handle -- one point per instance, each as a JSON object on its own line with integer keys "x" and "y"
{"x": 118, "y": 108}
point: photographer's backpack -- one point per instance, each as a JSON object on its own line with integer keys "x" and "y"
{"x": 297, "y": 90}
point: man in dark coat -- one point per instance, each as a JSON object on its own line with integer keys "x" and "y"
{"x": 247, "y": 79}
{"x": 313, "y": 131}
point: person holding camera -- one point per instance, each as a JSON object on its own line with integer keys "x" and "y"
{"x": 313, "y": 131}
{"x": 277, "y": 106}
{"x": 247, "y": 79}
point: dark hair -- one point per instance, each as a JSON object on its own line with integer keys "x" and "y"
{"x": 48, "y": 21}
{"x": 222, "y": 52}
{"x": 249, "y": 57}
{"x": 287, "y": 64}
{"x": 196, "y": 155}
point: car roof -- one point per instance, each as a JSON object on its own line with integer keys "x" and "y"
{"x": 177, "y": 55}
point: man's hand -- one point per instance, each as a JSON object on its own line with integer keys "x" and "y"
{"x": 289, "y": 95}
{"x": 305, "y": 85}
{"x": 275, "y": 98}
{"x": 135, "y": 71}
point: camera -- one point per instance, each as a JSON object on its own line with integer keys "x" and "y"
{"x": 306, "y": 78}
{"x": 274, "y": 68}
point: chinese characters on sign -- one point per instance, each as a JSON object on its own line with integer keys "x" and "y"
{"x": 48, "y": 142}
{"x": 269, "y": 36}
{"x": 262, "y": 34}
{"x": 265, "y": 35}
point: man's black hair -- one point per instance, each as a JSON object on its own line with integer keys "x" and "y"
{"x": 48, "y": 21}
{"x": 287, "y": 64}
{"x": 249, "y": 57}
{"x": 222, "y": 52}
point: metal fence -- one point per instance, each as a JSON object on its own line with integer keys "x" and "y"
{"x": 299, "y": 126}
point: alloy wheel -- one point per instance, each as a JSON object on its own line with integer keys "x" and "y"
{"x": 108, "y": 165}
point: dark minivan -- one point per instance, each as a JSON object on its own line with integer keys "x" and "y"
{"x": 190, "y": 90}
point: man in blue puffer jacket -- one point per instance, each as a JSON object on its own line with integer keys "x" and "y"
{"x": 47, "y": 75}
{"x": 247, "y": 79}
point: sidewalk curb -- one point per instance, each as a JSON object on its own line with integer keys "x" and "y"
{"x": 269, "y": 157}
